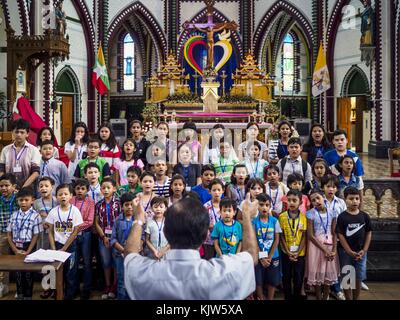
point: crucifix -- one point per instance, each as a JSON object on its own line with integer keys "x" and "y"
{"x": 210, "y": 28}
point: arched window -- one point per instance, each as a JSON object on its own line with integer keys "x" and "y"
{"x": 129, "y": 63}
{"x": 288, "y": 63}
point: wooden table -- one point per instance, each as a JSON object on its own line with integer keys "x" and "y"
{"x": 16, "y": 263}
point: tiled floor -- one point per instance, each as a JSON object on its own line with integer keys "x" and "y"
{"x": 378, "y": 291}
{"x": 378, "y": 169}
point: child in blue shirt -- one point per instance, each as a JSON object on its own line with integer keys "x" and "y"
{"x": 227, "y": 233}
{"x": 207, "y": 175}
{"x": 267, "y": 228}
{"x": 120, "y": 234}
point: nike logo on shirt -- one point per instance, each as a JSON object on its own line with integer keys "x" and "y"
{"x": 350, "y": 233}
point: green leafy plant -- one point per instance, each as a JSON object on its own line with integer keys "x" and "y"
{"x": 151, "y": 113}
{"x": 238, "y": 100}
{"x": 184, "y": 98}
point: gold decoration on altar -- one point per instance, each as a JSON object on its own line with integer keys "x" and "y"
{"x": 250, "y": 80}
{"x": 170, "y": 80}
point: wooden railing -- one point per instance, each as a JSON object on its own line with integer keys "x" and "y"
{"x": 379, "y": 187}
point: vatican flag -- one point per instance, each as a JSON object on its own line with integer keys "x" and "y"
{"x": 321, "y": 79}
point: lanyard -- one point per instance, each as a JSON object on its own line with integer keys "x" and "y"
{"x": 108, "y": 211}
{"x": 276, "y": 197}
{"x": 19, "y": 155}
{"x": 320, "y": 152}
{"x": 328, "y": 205}
{"x": 322, "y": 222}
{"x": 252, "y": 169}
{"x": 80, "y": 150}
{"x": 62, "y": 222}
{"x": 260, "y": 227}
{"x": 215, "y": 215}
{"x": 294, "y": 233}
{"x": 83, "y": 202}
{"x": 186, "y": 171}
{"x": 158, "y": 187}
{"x": 226, "y": 237}
{"x": 44, "y": 206}
{"x": 128, "y": 227}
{"x": 94, "y": 191}
{"x": 159, "y": 231}
{"x": 147, "y": 205}
{"x": 21, "y": 226}
{"x": 239, "y": 194}
{"x": 223, "y": 168}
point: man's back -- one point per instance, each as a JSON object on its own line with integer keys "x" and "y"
{"x": 185, "y": 276}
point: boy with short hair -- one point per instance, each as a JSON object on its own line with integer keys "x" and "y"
{"x": 295, "y": 181}
{"x": 293, "y": 244}
{"x": 162, "y": 183}
{"x": 226, "y": 162}
{"x": 43, "y": 205}
{"x": 23, "y": 232}
{"x": 51, "y": 167}
{"x": 332, "y": 157}
{"x": 227, "y": 233}
{"x": 92, "y": 174}
{"x": 267, "y": 228}
{"x": 64, "y": 221}
{"x": 20, "y": 158}
{"x": 106, "y": 213}
{"x": 93, "y": 156}
{"x": 133, "y": 186}
{"x": 120, "y": 234}
{"x": 207, "y": 175}
{"x": 85, "y": 204}
{"x": 294, "y": 163}
{"x": 355, "y": 232}
{"x": 8, "y": 206}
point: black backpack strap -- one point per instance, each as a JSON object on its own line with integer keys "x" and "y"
{"x": 305, "y": 167}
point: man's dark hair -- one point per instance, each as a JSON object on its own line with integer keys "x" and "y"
{"x": 294, "y": 177}
{"x": 49, "y": 179}
{"x": 20, "y": 124}
{"x": 127, "y": 197}
{"x": 9, "y": 177}
{"x": 330, "y": 178}
{"x": 186, "y": 224}
{"x": 262, "y": 197}
{"x": 82, "y": 183}
{"x": 158, "y": 201}
{"x": 294, "y": 140}
{"x": 339, "y": 132}
{"x": 207, "y": 167}
{"x": 295, "y": 193}
{"x": 192, "y": 195}
{"x": 91, "y": 165}
{"x": 228, "y": 203}
{"x": 349, "y": 191}
{"x": 65, "y": 186}
{"x": 26, "y": 192}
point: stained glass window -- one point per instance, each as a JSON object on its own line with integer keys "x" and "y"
{"x": 129, "y": 62}
{"x": 288, "y": 63}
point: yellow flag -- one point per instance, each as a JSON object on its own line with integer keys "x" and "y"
{"x": 321, "y": 79}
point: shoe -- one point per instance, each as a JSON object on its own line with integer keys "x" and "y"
{"x": 104, "y": 296}
{"x": 112, "y": 292}
{"x": 338, "y": 296}
{"x": 364, "y": 286}
{"x": 19, "y": 297}
{"x": 111, "y": 295}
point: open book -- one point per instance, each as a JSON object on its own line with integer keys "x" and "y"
{"x": 47, "y": 256}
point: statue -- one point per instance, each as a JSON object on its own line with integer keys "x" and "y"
{"x": 61, "y": 24}
{"x": 210, "y": 28}
{"x": 367, "y": 25}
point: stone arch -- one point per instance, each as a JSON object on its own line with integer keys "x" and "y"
{"x": 353, "y": 73}
{"x": 201, "y": 16}
{"x": 281, "y": 7}
{"x": 149, "y": 22}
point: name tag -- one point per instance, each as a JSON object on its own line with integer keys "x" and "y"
{"x": 294, "y": 248}
{"x": 108, "y": 231}
{"x": 262, "y": 255}
{"x": 17, "y": 169}
{"x": 19, "y": 244}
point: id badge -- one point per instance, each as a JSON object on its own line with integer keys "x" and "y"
{"x": 263, "y": 254}
{"x": 328, "y": 240}
{"x": 17, "y": 169}
{"x": 19, "y": 244}
{"x": 294, "y": 248}
{"x": 108, "y": 231}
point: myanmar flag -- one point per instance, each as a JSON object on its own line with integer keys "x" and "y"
{"x": 99, "y": 75}
{"x": 321, "y": 79}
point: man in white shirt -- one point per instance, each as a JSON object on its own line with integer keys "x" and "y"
{"x": 183, "y": 274}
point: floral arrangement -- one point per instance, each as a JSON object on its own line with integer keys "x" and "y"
{"x": 238, "y": 100}
{"x": 272, "y": 108}
{"x": 151, "y": 113}
{"x": 184, "y": 98}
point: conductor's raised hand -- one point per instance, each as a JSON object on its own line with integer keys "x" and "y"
{"x": 250, "y": 209}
